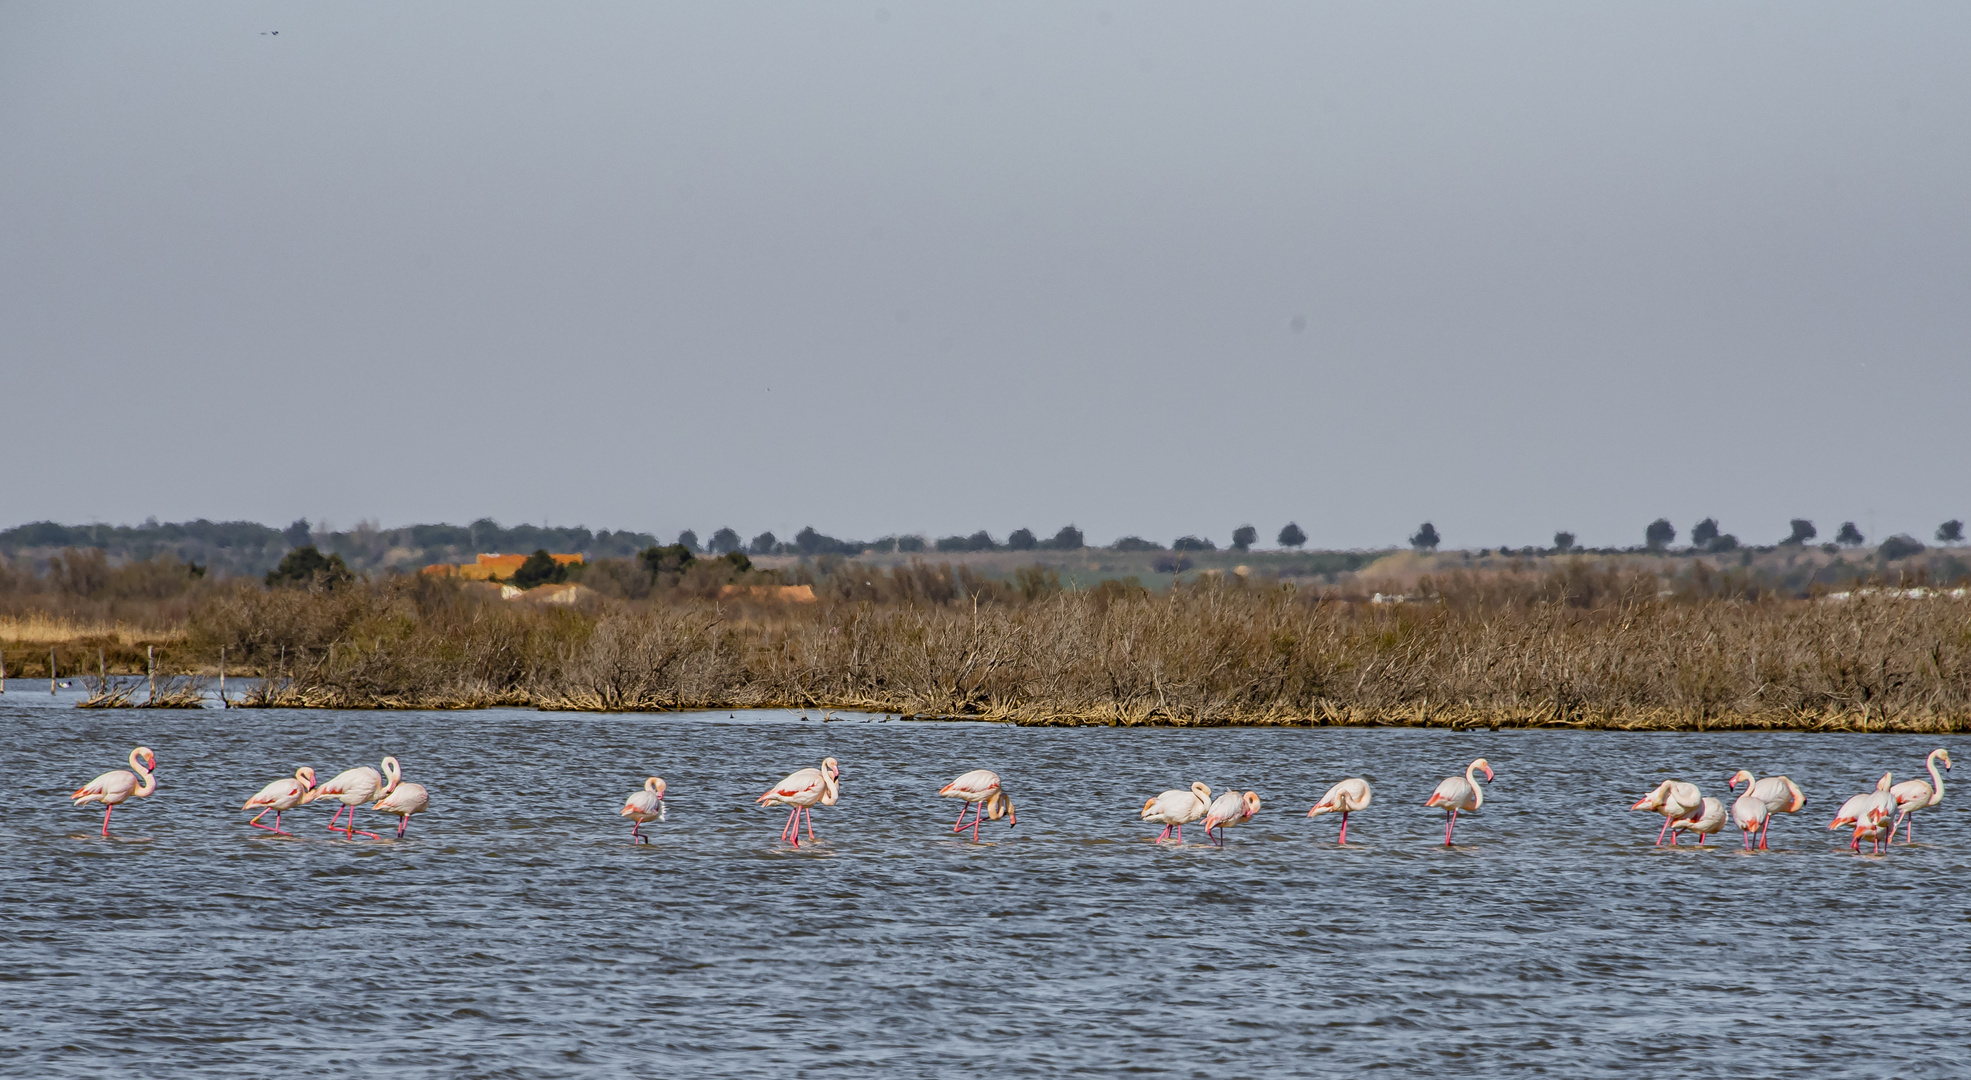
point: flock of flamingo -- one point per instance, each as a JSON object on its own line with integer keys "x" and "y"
{"x": 1873, "y": 815}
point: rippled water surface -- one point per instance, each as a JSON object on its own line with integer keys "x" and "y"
{"x": 515, "y": 932}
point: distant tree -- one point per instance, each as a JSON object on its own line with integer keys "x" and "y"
{"x": 1899, "y": 546}
{"x": 539, "y": 569}
{"x": 740, "y": 563}
{"x": 1703, "y": 532}
{"x": 981, "y": 541}
{"x": 1563, "y": 541}
{"x": 1135, "y": 543}
{"x": 296, "y": 534}
{"x": 763, "y": 544}
{"x": 671, "y": 559}
{"x": 1721, "y": 543}
{"x": 1193, "y": 543}
{"x": 1950, "y": 532}
{"x": 1660, "y": 534}
{"x": 1425, "y": 538}
{"x": 950, "y": 543}
{"x": 1021, "y": 540}
{"x": 1244, "y": 537}
{"x": 689, "y": 541}
{"x": 1803, "y": 531}
{"x": 725, "y": 542}
{"x": 910, "y": 543}
{"x": 304, "y": 567}
{"x": 1291, "y": 536}
{"x": 1068, "y": 539}
{"x": 1849, "y": 535}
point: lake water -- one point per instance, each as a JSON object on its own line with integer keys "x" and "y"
{"x": 516, "y": 933}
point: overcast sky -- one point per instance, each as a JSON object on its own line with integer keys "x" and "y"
{"x": 1149, "y": 268}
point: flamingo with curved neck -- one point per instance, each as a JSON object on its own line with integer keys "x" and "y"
{"x": 1673, "y": 799}
{"x": 284, "y": 794}
{"x": 1914, "y": 795}
{"x": 113, "y": 788}
{"x": 1455, "y": 793}
{"x": 1345, "y": 798}
{"x": 1781, "y": 796}
{"x": 1177, "y": 808}
{"x": 802, "y": 790}
{"x": 643, "y": 807}
{"x": 983, "y": 796}
{"x": 353, "y": 788}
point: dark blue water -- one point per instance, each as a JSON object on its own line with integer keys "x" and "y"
{"x": 516, "y": 933}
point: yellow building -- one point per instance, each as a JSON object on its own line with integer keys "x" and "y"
{"x": 491, "y": 566}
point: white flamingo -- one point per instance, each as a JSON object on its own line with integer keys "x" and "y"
{"x": 1673, "y": 799}
{"x": 112, "y": 789}
{"x": 1751, "y": 814}
{"x": 1708, "y": 819}
{"x": 802, "y": 790}
{"x": 283, "y": 794}
{"x": 1865, "y": 811}
{"x": 402, "y": 800}
{"x": 1177, "y": 808}
{"x": 983, "y": 796}
{"x": 352, "y": 788}
{"x": 644, "y": 807}
{"x": 1344, "y": 798}
{"x": 1456, "y": 793}
{"x": 1874, "y": 828}
{"x": 1914, "y": 795}
{"x": 1230, "y": 808}
{"x": 1781, "y": 796}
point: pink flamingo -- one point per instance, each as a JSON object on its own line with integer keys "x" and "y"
{"x": 283, "y": 794}
{"x": 981, "y": 792}
{"x": 644, "y": 807}
{"x": 1457, "y": 793}
{"x": 353, "y": 788}
{"x": 1176, "y": 808}
{"x": 1230, "y": 808}
{"x": 1781, "y": 796}
{"x": 114, "y": 788}
{"x": 1751, "y": 814}
{"x": 402, "y": 800}
{"x": 1673, "y": 799}
{"x": 802, "y": 790}
{"x": 1344, "y": 798}
{"x": 1865, "y": 812}
{"x": 1707, "y": 820}
{"x": 1914, "y": 795}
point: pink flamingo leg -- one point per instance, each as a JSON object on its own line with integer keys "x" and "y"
{"x": 1449, "y": 824}
{"x": 1344, "y": 828}
{"x": 106, "y": 819}
{"x": 405, "y": 823}
{"x": 959, "y": 825}
{"x": 1180, "y": 833}
{"x": 808, "y": 813}
{"x": 1661, "y": 831}
{"x": 353, "y": 832}
{"x": 337, "y": 816}
{"x": 1161, "y": 837}
{"x": 792, "y": 832}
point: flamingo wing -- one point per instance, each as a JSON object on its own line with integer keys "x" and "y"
{"x": 975, "y": 786}
{"x": 404, "y": 800}
{"x": 111, "y": 787}
{"x": 286, "y": 787}
{"x": 801, "y": 785}
{"x": 1453, "y": 793}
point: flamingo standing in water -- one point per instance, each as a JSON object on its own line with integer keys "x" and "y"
{"x": 283, "y": 794}
{"x": 114, "y": 788}
{"x": 983, "y": 796}
{"x": 402, "y": 800}
{"x": 1344, "y": 798}
{"x": 354, "y": 787}
{"x": 1914, "y": 795}
{"x": 1230, "y": 808}
{"x": 1673, "y": 799}
{"x": 1177, "y": 808}
{"x": 1707, "y": 820}
{"x": 802, "y": 790}
{"x": 1781, "y": 796}
{"x": 1455, "y": 793}
{"x": 644, "y": 807}
{"x": 1865, "y": 812}
{"x": 1751, "y": 814}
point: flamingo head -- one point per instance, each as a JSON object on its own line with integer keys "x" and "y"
{"x": 1202, "y": 791}
{"x": 833, "y": 770}
{"x": 1484, "y": 765}
{"x": 1742, "y": 776}
{"x": 655, "y": 786}
{"x": 1319, "y": 808}
{"x": 1883, "y": 784}
{"x": 149, "y": 759}
{"x": 1944, "y": 756}
{"x": 306, "y": 776}
{"x": 1251, "y": 800}
{"x": 1148, "y": 804}
{"x": 1000, "y": 805}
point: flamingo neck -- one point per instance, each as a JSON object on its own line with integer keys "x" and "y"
{"x": 1936, "y": 779}
{"x": 146, "y": 783}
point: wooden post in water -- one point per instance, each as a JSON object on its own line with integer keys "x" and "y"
{"x": 3, "y": 671}
{"x": 51, "y": 673}
{"x": 223, "y": 703}
{"x": 150, "y": 657}
{"x": 102, "y": 672}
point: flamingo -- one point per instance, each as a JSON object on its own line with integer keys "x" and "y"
{"x": 1781, "y": 796}
{"x": 1864, "y": 810}
{"x": 1230, "y": 808}
{"x": 1914, "y": 795}
{"x": 1708, "y": 819}
{"x": 1873, "y": 828}
{"x": 402, "y": 800}
{"x": 354, "y": 787}
{"x": 1346, "y": 797}
{"x": 1455, "y": 793}
{"x": 1673, "y": 799}
{"x": 801, "y": 791}
{"x": 980, "y": 791}
{"x": 284, "y": 794}
{"x": 643, "y": 807}
{"x": 113, "y": 788}
{"x": 1177, "y": 808}
{"x": 1751, "y": 814}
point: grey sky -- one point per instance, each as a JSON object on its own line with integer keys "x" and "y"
{"x": 1151, "y": 268}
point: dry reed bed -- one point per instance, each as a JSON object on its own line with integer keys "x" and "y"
{"x": 1216, "y": 654}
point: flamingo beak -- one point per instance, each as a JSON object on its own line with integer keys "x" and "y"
{"x": 1488, "y": 774}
